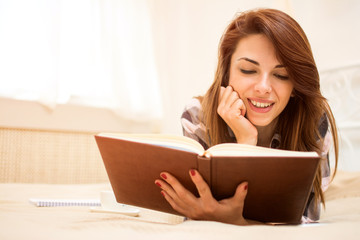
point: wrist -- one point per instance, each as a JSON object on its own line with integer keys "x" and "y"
{"x": 250, "y": 141}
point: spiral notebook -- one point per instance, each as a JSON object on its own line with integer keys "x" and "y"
{"x": 44, "y": 202}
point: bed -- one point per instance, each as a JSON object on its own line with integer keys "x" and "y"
{"x": 21, "y": 220}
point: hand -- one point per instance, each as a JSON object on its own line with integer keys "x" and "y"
{"x": 232, "y": 109}
{"x": 205, "y": 207}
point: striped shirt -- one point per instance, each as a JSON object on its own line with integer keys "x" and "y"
{"x": 194, "y": 128}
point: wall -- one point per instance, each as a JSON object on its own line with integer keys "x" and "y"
{"x": 187, "y": 34}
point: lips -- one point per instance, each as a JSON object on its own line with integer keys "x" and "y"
{"x": 260, "y": 106}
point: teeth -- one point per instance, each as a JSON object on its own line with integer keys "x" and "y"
{"x": 260, "y": 105}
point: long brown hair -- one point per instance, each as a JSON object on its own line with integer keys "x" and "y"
{"x": 298, "y": 124}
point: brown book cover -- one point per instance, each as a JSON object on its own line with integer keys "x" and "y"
{"x": 280, "y": 181}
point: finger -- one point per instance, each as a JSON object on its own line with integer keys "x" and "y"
{"x": 170, "y": 192}
{"x": 237, "y": 94}
{"x": 232, "y": 98}
{"x": 173, "y": 203}
{"x": 166, "y": 187}
{"x": 179, "y": 193}
{"x": 240, "y": 193}
{"x": 239, "y": 105}
{"x": 225, "y": 94}
{"x": 226, "y": 97}
{"x": 202, "y": 187}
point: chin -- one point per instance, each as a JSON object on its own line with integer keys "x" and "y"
{"x": 260, "y": 123}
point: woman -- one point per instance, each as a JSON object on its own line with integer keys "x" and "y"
{"x": 266, "y": 92}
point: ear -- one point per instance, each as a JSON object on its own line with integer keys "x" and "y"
{"x": 292, "y": 94}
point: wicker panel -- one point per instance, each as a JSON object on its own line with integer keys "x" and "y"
{"x": 31, "y": 156}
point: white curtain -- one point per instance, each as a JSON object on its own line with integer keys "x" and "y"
{"x": 90, "y": 52}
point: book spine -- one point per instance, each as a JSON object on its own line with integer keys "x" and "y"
{"x": 204, "y": 168}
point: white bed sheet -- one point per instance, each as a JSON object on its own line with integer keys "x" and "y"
{"x": 21, "y": 220}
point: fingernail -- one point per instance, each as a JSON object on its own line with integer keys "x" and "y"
{"x": 157, "y": 183}
{"x": 162, "y": 193}
{"x": 163, "y": 175}
{"x": 246, "y": 187}
{"x": 192, "y": 172}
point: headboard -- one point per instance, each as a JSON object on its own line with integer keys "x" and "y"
{"x": 47, "y": 156}
{"x": 341, "y": 86}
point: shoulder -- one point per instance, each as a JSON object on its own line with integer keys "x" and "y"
{"x": 326, "y": 142}
{"x": 323, "y": 125}
{"x": 192, "y": 111}
{"x": 325, "y": 134}
{"x": 192, "y": 123}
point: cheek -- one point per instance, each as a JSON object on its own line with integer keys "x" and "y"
{"x": 239, "y": 84}
{"x": 283, "y": 87}
{"x": 232, "y": 77}
{"x": 286, "y": 92}
{"x": 238, "y": 87}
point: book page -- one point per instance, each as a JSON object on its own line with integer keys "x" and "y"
{"x": 170, "y": 141}
{"x": 235, "y": 149}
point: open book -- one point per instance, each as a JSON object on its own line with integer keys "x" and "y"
{"x": 280, "y": 181}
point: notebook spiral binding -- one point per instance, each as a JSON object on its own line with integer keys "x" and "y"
{"x": 64, "y": 202}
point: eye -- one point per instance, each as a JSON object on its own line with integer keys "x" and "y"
{"x": 282, "y": 77}
{"x": 247, "y": 71}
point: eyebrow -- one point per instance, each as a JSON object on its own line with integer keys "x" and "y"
{"x": 256, "y": 63}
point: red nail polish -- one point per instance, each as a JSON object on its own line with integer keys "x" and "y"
{"x": 157, "y": 183}
{"x": 246, "y": 187}
{"x": 192, "y": 172}
{"x": 163, "y": 175}
{"x": 162, "y": 193}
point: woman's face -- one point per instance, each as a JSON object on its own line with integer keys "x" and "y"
{"x": 261, "y": 81}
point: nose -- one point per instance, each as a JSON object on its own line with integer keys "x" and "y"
{"x": 263, "y": 85}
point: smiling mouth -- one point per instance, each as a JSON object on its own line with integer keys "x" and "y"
{"x": 261, "y": 104}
